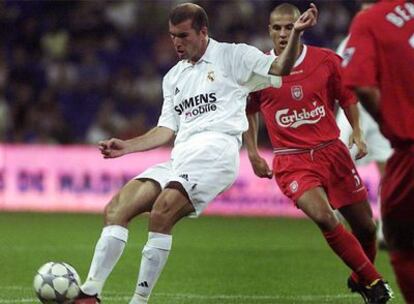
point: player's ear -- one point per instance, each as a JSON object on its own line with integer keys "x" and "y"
{"x": 204, "y": 31}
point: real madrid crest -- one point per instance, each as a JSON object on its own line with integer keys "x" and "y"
{"x": 210, "y": 76}
{"x": 297, "y": 92}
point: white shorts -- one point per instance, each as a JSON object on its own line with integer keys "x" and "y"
{"x": 206, "y": 165}
{"x": 379, "y": 149}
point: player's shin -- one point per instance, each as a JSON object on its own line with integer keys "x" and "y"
{"x": 108, "y": 250}
{"x": 369, "y": 245}
{"x": 154, "y": 257}
{"x": 347, "y": 247}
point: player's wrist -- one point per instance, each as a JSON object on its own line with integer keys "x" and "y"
{"x": 357, "y": 131}
{"x": 297, "y": 31}
{"x": 129, "y": 146}
{"x": 254, "y": 156}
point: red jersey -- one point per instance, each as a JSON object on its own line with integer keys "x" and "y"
{"x": 300, "y": 114}
{"x": 380, "y": 53}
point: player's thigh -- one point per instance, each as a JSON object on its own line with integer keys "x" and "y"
{"x": 136, "y": 197}
{"x": 170, "y": 206}
{"x": 207, "y": 169}
{"x": 295, "y": 174}
{"x": 314, "y": 203}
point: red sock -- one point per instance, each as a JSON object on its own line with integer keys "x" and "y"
{"x": 370, "y": 249}
{"x": 347, "y": 247}
{"x": 403, "y": 264}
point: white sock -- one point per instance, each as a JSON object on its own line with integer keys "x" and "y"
{"x": 154, "y": 257}
{"x": 108, "y": 250}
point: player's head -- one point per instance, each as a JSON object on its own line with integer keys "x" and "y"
{"x": 188, "y": 27}
{"x": 281, "y": 21}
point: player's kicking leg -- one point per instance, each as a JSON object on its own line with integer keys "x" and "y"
{"x": 172, "y": 205}
{"x": 314, "y": 203}
{"x": 136, "y": 197}
{"x": 360, "y": 219}
{"x": 359, "y": 216}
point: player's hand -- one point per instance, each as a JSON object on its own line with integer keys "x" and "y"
{"x": 113, "y": 147}
{"x": 260, "y": 167}
{"x": 307, "y": 19}
{"x": 358, "y": 139}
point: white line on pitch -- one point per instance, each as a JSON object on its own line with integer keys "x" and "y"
{"x": 123, "y": 296}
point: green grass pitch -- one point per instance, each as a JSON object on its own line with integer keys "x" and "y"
{"x": 214, "y": 260}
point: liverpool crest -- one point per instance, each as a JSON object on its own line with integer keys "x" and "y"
{"x": 297, "y": 92}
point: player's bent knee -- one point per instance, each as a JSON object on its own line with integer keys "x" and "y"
{"x": 326, "y": 220}
{"x": 366, "y": 231}
{"x": 370, "y": 230}
{"x": 114, "y": 214}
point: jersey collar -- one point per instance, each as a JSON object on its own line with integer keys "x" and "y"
{"x": 300, "y": 58}
{"x": 208, "y": 54}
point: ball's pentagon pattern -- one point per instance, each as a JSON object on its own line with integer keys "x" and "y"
{"x": 56, "y": 283}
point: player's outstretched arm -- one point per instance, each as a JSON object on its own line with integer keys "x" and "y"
{"x": 154, "y": 138}
{"x": 259, "y": 164}
{"x": 356, "y": 137}
{"x": 284, "y": 63}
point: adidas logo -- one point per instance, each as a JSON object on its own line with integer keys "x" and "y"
{"x": 143, "y": 284}
{"x": 184, "y": 176}
{"x": 176, "y": 91}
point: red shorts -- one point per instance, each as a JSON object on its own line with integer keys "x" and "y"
{"x": 397, "y": 192}
{"x": 330, "y": 167}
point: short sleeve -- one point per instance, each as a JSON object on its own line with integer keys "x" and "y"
{"x": 360, "y": 62}
{"x": 338, "y": 89}
{"x": 251, "y": 68}
{"x": 168, "y": 118}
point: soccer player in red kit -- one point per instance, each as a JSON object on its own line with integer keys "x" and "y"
{"x": 311, "y": 165}
{"x": 379, "y": 66}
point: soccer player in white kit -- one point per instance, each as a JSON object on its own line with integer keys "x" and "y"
{"x": 204, "y": 109}
{"x": 379, "y": 148}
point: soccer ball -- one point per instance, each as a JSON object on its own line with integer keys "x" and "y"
{"x": 56, "y": 282}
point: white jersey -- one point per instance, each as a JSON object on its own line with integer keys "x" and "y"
{"x": 379, "y": 148}
{"x": 210, "y": 95}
